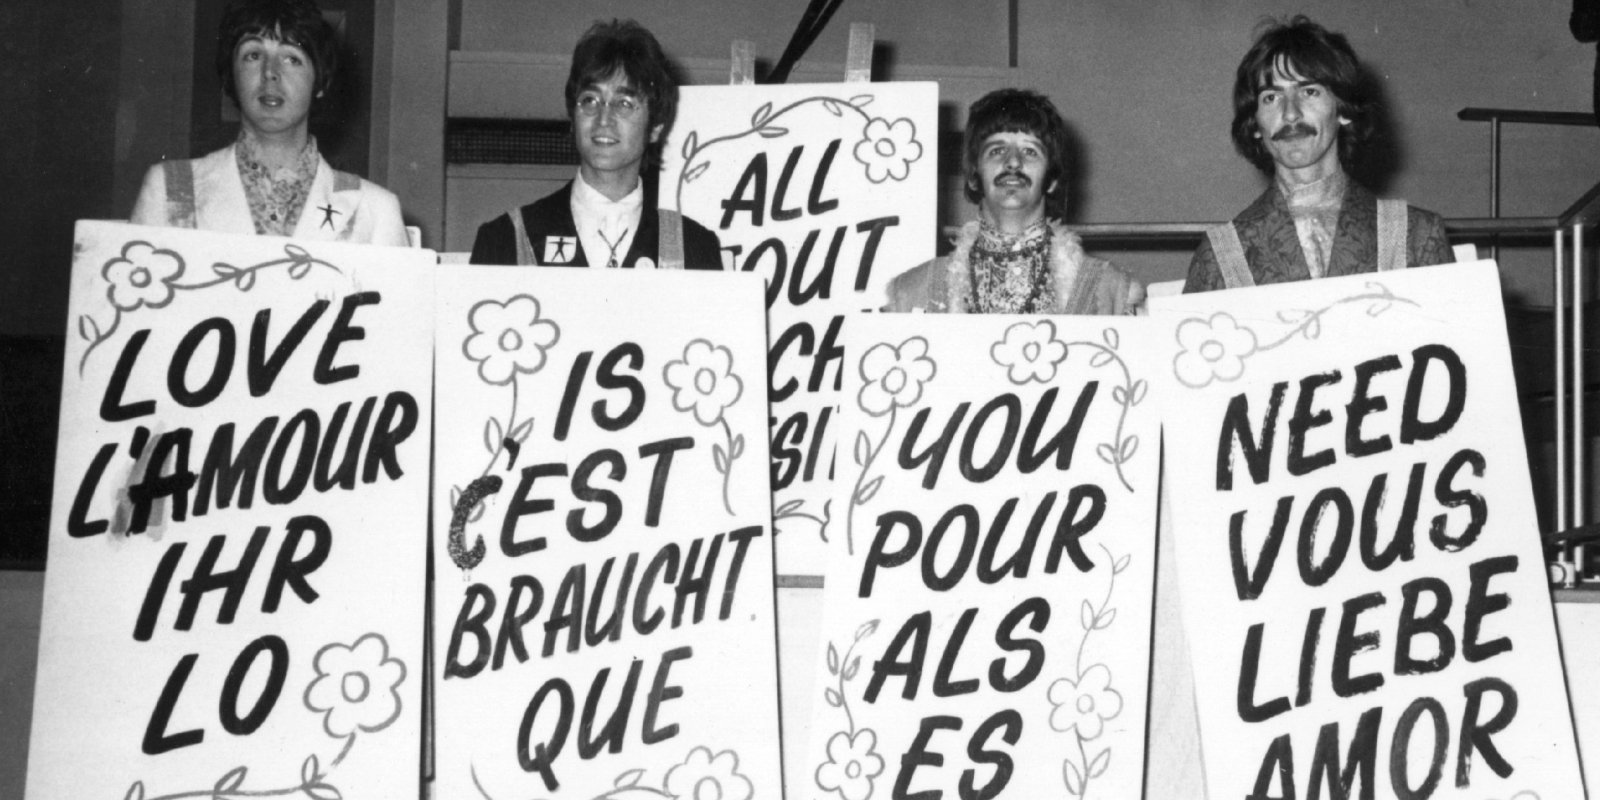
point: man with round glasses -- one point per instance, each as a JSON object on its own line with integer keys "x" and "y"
{"x": 622, "y": 99}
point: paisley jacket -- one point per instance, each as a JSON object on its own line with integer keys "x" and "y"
{"x": 1272, "y": 248}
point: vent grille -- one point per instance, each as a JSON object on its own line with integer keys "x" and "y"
{"x": 509, "y": 141}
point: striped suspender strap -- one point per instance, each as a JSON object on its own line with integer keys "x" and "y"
{"x": 1229, "y": 251}
{"x": 179, "y": 175}
{"x": 346, "y": 182}
{"x": 525, "y": 256}
{"x": 1391, "y": 235}
{"x": 670, "y": 254}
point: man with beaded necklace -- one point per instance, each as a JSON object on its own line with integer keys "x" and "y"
{"x": 1016, "y": 258}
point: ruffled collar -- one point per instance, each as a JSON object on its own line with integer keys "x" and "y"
{"x": 1321, "y": 194}
{"x": 1066, "y": 258}
{"x": 248, "y": 151}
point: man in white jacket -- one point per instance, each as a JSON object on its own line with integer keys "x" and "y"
{"x": 276, "y": 59}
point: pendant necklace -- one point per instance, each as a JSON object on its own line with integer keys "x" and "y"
{"x": 612, "y": 262}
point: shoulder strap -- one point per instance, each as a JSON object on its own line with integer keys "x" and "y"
{"x": 1084, "y": 290}
{"x": 179, "y": 176}
{"x": 1102, "y": 289}
{"x": 1392, "y": 223}
{"x": 1225, "y": 245}
{"x": 345, "y": 182}
{"x": 525, "y": 256}
{"x": 935, "y": 288}
{"x": 669, "y": 253}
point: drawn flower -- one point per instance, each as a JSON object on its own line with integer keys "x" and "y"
{"x": 142, "y": 276}
{"x": 1213, "y": 349}
{"x": 703, "y": 776}
{"x": 894, "y": 375}
{"x": 703, "y": 381}
{"x": 851, "y": 765}
{"x": 356, "y": 686}
{"x": 1030, "y": 351}
{"x": 1086, "y": 704}
{"x": 888, "y": 149}
{"x": 508, "y": 338}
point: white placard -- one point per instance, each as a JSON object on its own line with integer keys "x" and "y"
{"x": 988, "y": 596}
{"x": 1361, "y": 576}
{"x": 234, "y": 596}
{"x": 828, "y": 191}
{"x": 604, "y": 596}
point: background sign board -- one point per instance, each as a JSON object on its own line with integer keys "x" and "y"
{"x": 1360, "y": 568}
{"x": 603, "y": 557}
{"x": 987, "y": 622}
{"x": 233, "y": 600}
{"x": 828, "y": 191}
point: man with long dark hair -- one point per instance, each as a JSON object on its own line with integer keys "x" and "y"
{"x": 1016, "y": 258}
{"x": 1303, "y": 111}
{"x": 622, "y": 100}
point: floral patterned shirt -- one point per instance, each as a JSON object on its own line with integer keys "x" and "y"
{"x": 1011, "y": 273}
{"x": 276, "y": 197}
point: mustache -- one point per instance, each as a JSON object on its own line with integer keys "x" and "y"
{"x": 1026, "y": 181}
{"x": 1292, "y": 130}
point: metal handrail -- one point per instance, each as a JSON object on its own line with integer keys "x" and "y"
{"x": 1558, "y": 311}
{"x": 1571, "y": 507}
{"x": 1496, "y": 116}
{"x": 1176, "y": 233}
{"x": 1584, "y": 212}
{"x": 1580, "y": 509}
{"x": 1519, "y": 115}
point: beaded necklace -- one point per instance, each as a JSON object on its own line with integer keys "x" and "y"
{"x": 1011, "y": 272}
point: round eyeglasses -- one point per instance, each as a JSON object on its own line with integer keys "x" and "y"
{"x": 622, "y": 106}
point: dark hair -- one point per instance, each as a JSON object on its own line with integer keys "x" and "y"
{"x": 1319, "y": 55}
{"x": 296, "y": 22}
{"x": 626, "y": 48}
{"x": 1018, "y": 111}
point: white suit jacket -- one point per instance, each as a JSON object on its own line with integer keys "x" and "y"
{"x": 339, "y": 207}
